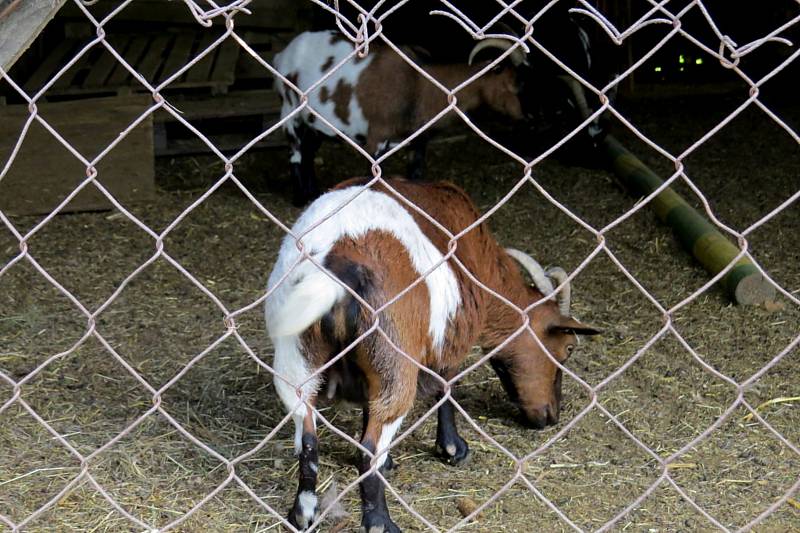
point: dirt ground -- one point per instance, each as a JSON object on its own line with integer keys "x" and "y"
{"x": 161, "y": 321}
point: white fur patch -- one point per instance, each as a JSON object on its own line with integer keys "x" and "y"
{"x": 308, "y": 503}
{"x": 370, "y": 211}
{"x": 311, "y": 296}
{"x": 388, "y": 432}
{"x": 305, "y": 56}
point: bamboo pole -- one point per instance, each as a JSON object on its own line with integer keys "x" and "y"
{"x": 744, "y": 284}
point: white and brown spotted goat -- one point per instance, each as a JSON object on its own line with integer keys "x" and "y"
{"x": 379, "y": 99}
{"x": 378, "y": 248}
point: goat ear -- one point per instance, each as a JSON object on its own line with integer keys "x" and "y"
{"x": 570, "y": 325}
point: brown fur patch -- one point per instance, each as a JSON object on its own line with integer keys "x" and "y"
{"x": 341, "y": 101}
{"x": 382, "y": 268}
{"x": 327, "y": 64}
{"x": 324, "y": 94}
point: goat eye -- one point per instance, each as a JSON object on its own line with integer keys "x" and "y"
{"x": 570, "y": 348}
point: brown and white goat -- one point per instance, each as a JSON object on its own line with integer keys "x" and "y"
{"x": 378, "y": 248}
{"x": 379, "y": 99}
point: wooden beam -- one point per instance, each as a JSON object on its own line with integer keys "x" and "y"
{"x": 20, "y": 24}
{"x": 743, "y": 283}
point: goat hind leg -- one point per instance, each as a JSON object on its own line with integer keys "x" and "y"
{"x": 375, "y": 514}
{"x": 388, "y": 464}
{"x": 305, "y": 507}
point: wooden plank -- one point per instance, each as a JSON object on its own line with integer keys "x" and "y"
{"x": 154, "y": 57}
{"x": 229, "y": 143}
{"x": 225, "y": 66}
{"x": 200, "y": 71}
{"x": 20, "y": 25}
{"x": 75, "y": 71}
{"x": 44, "y": 172}
{"x": 132, "y": 56}
{"x": 102, "y": 69}
{"x": 278, "y": 14}
{"x": 178, "y": 55}
{"x": 238, "y": 104}
{"x": 54, "y": 61}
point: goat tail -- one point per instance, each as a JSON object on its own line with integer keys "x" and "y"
{"x": 306, "y": 301}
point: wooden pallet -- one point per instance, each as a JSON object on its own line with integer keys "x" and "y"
{"x": 155, "y": 56}
{"x": 263, "y": 105}
{"x": 44, "y": 172}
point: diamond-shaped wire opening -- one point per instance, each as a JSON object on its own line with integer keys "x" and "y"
{"x": 66, "y": 239}
{"x": 753, "y": 338}
{"x": 666, "y": 398}
{"x": 594, "y": 452}
{"x": 82, "y": 505}
{"x": 759, "y": 192}
{"x": 35, "y": 467}
{"x": 737, "y": 461}
{"x": 228, "y": 378}
{"x": 70, "y": 392}
{"x": 629, "y": 320}
{"x": 666, "y": 508}
{"x": 157, "y": 483}
{"x": 159, "y": 322}
{"x": 37, "y": 323}
{"x": 224, "y": 224}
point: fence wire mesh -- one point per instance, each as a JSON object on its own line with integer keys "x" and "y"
{"x": 365, "y": 31}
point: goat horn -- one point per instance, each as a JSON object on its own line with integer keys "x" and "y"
{"x": 517, "y": 55}
{"x": 559, "y": 276}
{"x": 537, "y": 273}
{"x": 580, "y": 96}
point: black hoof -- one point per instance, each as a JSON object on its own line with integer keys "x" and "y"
{"x": 454, "y": 450}
{"x": 378, "y": 523}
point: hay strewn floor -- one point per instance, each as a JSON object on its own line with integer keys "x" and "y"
{"x": 161, "y": 321}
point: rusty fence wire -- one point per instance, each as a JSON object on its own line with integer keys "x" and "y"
{"x": 366, "y": 29}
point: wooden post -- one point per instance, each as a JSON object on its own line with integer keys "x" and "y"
{"x": 20, "y": 23}
{"x": 743, "y": 283}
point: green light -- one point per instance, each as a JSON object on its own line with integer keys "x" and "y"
{"x": 681, "y": 59}
{"x": 658, "y": 69}
{"x": 698, "y": 61}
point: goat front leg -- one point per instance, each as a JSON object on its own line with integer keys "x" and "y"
{"x": 378, "y": 434}
{"x": 303, "y": 143}
{"x": 449, "y": 444}
{"x": 305, "y": 507}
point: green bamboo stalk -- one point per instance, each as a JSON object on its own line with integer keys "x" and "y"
{"x": 744, "y": 284}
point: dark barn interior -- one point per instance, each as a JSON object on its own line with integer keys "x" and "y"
{"x": 123, "y": 390}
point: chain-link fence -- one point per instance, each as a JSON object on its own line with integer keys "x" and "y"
{"x": 137, "y": 378}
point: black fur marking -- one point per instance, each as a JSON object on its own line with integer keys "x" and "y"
{"x": 449, "y": 443}
{"x": 373, "y": 498}
{"x": 308, "y": 462}
{"x": 359, "y": 279}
